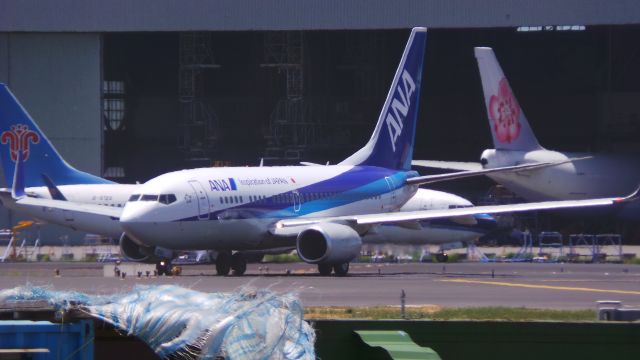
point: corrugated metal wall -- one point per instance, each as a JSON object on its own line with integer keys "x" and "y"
{"x": 172, "y": 15}
{"x": 57, "y": 78}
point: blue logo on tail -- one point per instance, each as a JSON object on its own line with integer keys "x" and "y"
{"x": 400, "y": 108}
{"x": 21, "y": 137}
{"x": 391, "y": 145}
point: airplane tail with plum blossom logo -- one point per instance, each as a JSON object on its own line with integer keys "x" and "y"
{"x": 20, "y": 138}
{"x": 509, "y": 126}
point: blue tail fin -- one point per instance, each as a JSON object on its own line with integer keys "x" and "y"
{"x": 391, "y": 145}
{"x": 20, "y": 134}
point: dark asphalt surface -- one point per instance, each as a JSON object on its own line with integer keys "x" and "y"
{"x": 561, "y": 286}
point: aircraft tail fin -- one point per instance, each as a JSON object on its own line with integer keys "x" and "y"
{"x": 509, "y": 126}
{"x": 55, "y": 193}
{"x": 20, "y": 136}
{"x": 391, "y": 145}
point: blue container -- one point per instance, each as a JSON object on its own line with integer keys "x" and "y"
{"x": 46, "y": 340}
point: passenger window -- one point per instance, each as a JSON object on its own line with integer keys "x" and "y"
{"x": 134, "y": 197}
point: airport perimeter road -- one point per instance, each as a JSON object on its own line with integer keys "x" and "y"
{"x": 562, "y": 286}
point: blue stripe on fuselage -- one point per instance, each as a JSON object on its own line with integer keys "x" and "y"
{"x": 356, "y": 184}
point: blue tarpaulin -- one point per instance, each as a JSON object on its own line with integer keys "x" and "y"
{"x": 184, "y": 323}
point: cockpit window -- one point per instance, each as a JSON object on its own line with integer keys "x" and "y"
{"x": 134, "y": 197}
{"x": 149, "y": 198}
{"x": 167, "y": 198}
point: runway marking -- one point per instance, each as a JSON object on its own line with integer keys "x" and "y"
{"x": 549, "y": 287}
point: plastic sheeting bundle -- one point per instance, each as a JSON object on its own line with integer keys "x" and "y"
{"x": 184, "y": 323}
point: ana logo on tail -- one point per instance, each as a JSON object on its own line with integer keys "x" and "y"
{"x": 18, "y": 139}
{"x": 400, "y": 107}
{"x": 504, "y": 111}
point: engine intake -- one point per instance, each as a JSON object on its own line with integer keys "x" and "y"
{"x": 132, "y": 251}
{"x": 328, "y": 243}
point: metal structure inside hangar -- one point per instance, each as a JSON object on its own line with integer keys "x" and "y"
{"x": 130, "y": 93}
{"x": 209, "y": 98}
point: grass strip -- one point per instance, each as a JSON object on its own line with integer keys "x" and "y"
{"x": 434, "y": 312}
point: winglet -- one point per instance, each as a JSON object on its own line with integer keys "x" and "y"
{"x": 631, "y": 197}
{"x": 17, "y": 190}
{"x": 55, "y": 193}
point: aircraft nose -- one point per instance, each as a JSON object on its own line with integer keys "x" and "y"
{"x": 133, "y": 222}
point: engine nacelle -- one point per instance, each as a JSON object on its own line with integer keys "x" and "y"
{"x": 134, "y": 252}
{"x": 328, "y": 243}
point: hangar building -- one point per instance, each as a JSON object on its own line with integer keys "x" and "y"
{"x": 132, "y": 89}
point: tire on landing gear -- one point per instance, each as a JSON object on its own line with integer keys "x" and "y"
{"x": 238, "y": 264}
{"x": 325, "y": 269}
{"x": 341, "y": 269}
{"x": 223, "y": 263}
{"x": 442, "y": 257}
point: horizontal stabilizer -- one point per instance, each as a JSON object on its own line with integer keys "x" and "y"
{"x": 448, "y": 165}
{"x": 427, "y": 179}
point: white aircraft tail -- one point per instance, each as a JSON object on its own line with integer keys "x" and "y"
{"x": 509, "y": 126}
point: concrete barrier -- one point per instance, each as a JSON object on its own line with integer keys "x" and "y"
{"x": 130, "y": 269}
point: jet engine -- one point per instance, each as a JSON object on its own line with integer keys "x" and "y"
{"x": 328, "y": 243}
{"x": 132, "y": 251}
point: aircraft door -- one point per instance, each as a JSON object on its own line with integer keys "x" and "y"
{"x": 203, "y": 199}
{"x": 297, "y": 201}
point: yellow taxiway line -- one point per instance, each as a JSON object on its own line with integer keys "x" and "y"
{"x": 548, "y": 287}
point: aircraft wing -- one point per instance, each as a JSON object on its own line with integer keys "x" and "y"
{"x": 427, "y": 179}
{"x": 286, "y": 227}
{"x": 475, "y": 169}
{"x": 72, "y": 207}
{"x": 448, "y": 165}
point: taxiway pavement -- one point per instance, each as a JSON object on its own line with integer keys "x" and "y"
{"x": 536, "y": 285}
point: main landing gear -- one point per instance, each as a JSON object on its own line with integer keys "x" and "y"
{"x": 442, "y": 257}
{"x": 338, "y": 269}
{"x": 225, "y": 262}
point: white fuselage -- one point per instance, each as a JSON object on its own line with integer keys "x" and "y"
{"x": 235, "y": 208}
{"x": 598, "y": 176}
{"x": 448, "y": 230}
{"x": 112, "y": 195}
{"x": 116, "y": 195}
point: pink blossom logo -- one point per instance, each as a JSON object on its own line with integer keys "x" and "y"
{"x": 504, "y": 111}
{"x": 19, "y": 138}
